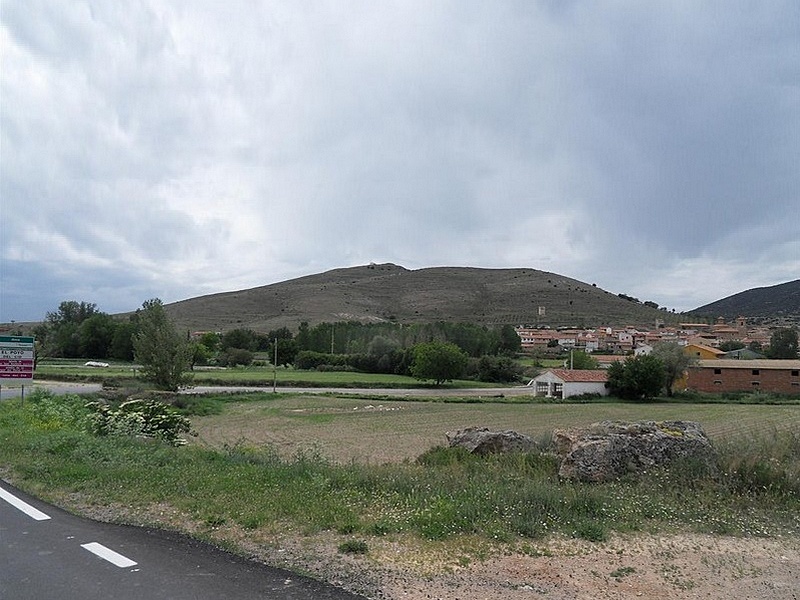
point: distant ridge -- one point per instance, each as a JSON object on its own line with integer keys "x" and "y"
{"x": 780, "y": 301}
{"x": 391, "y": 293}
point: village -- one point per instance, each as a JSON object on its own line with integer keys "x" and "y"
{"x": 727, "y": 357}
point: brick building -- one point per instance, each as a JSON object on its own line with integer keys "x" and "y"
{"x": 777, "y": 376}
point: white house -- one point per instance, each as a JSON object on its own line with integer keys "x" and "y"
{"x": 563, "y": 383}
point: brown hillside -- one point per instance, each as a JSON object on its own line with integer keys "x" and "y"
{"x": 775, "y": 302}
{"x": 388, "y": 292}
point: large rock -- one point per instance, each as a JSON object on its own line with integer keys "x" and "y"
{"x": 482, "y": 441}
{"x": 611, "y": 449}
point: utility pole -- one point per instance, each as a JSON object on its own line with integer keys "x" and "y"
{"x": 275, "y": 368}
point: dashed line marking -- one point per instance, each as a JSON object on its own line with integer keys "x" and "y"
{"x": 109, "y": 555}
{"x": 33, "y": 513}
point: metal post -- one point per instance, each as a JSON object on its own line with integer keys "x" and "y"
{"x": 275, "y": 368}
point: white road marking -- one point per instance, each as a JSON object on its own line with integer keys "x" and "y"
{"x": 29, "y": 510}
{"x": 109, "y": 555}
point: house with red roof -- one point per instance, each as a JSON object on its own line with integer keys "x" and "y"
{"x": 564, "y": 383}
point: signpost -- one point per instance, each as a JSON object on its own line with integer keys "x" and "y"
{"x": 16, "y": 359}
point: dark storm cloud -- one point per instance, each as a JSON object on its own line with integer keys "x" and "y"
{"x": 178, "y": 149}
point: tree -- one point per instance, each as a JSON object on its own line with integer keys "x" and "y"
{"x": 245, "y": 339}
{"x": 163, "y": 354}
{"x": 122, "y": 342}
{"x": 96, "y": 334}
{"x": 236, "y": 356}
{"x": 674, "y": 360}
{"x": 510, "y": 342}
{"x": 731, "y": 345}
{"x": 70, "y": 311}
{"x": 498, "y": 369}
{"x": 579, "y": 359}
{"x": 303, "y": 337}
{"x": 638, "y": 378}
{"x": 210, "y": 341}
{"x": 287, "y": 346}
{"x": 60, "y": 334}
{"x": 440, "y": 361}
{"x": 783, "y": 343}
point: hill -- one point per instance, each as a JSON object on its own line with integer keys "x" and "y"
{"x": 391, "y": 293}
{"x": 774, "y": 302}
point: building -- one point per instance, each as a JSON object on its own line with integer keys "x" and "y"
{"x": 775, "y": 376}
{"x": 564, "y": 383}
{"x": 702, "y": 352}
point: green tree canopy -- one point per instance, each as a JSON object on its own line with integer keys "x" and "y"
{"x": 440, "y": 361}
{"x": 510, "y": 342}
{"x": 96, "y": 336}
{"x": 674, "y": 360}
{"x": 579, "y": 359}
{"x": 71, "y": 311}
{"x": 244, "y": 339}
{"x": 783, "y": 343}
{"x": 163, "y": 354}
{"x": 60, "y": 334}
{"x": 639, "y": 378}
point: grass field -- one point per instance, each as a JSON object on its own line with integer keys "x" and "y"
{"x": 126, "y": 374}
{"x": 376, "y": 431}
{"x": 361, "y": 473}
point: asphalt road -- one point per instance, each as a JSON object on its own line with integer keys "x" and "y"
{"x": 49, "y": 554}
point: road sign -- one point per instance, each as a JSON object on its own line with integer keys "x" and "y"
{"x": 16, "y": 359}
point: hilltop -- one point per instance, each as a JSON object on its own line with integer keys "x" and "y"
{"x": 392, "y": 293}
{"x": 774, "y": 302}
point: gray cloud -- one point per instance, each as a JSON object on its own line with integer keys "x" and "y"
{"x": 168, "y": 149}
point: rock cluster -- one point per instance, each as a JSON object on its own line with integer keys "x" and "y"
{"x": 610, "y": 449}
{"x": 604, "y": 451}
{"x": 482, "y": 441}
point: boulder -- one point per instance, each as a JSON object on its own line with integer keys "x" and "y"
{"x": 610, "y": 449}
{"x": 482, "y": 441}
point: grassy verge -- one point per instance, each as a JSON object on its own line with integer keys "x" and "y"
{"x": 47, "y": 449}
{"x": 125, "y": 374}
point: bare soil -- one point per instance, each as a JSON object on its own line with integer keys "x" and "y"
{"x": 675, "y": 566}
{"x": 679, "y": 567}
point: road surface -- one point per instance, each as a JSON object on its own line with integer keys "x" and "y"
{"x": 58, "y": 387}
{"x": 49, "y": 554}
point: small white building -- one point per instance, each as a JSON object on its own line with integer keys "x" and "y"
{"x": 564, "y": 383}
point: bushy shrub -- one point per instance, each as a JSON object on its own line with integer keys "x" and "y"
{"x": 236, "y": 356}
{"x": 55, "y": 412}
{"x": 498, "y": 369}
{"x": 311, "y": 360}
{"x": 140, "y": 418}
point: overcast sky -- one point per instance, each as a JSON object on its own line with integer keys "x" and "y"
{"x": 173, "y": 149}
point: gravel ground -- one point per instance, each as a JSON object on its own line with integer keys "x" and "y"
{"x": 675, "y": 566}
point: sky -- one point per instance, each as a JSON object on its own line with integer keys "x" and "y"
{"x": 172, "y": 149}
